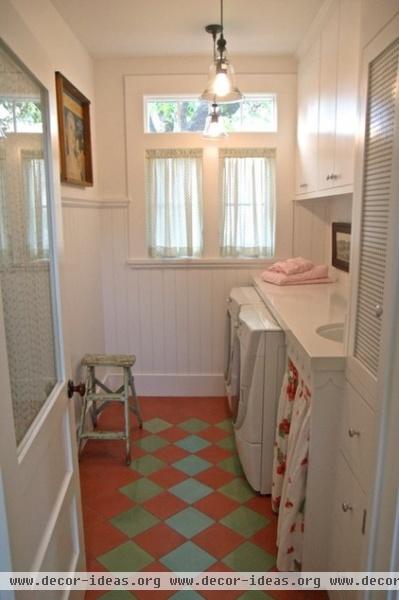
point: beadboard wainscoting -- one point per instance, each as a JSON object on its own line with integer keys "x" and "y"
{"x": 82, "y": 282}
{"x": 171, "y": 317}
{"x": 312, "y": 227}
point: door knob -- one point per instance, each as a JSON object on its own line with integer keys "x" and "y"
{"x": 79, "y": 389}
{"x": 378, "y": 311}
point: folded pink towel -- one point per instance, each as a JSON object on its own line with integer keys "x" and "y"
{"x": 318, "y": 274}
{"x": 292, "y": 266}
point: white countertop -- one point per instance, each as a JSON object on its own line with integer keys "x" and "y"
{"x": 300, "y": 309}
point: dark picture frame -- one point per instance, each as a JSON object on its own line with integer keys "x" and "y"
{"x": 74, "y": 133}
{"x": 341, "y": 242}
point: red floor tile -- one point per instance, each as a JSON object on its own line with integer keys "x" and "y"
{"x": 173, "y": 434}
{"x": 215, "y": 477}
{"x": 109, "y": 504}
{"x": 214, "y": 434}
{"x": 262, "y": 505}
{"x": 100, "y": 536}
{"x": 167, "y": 477}
{"x": 266, "y": 538}
{"x": 159, "y": 540}
{"x": 164, "y": 505}
{"x": 171, "y": 453}
{"x": 218, "y": 540}
{"x": 214, "y": 454}
{"x": 216, "y": 505}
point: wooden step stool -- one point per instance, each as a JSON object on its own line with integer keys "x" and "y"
{"x": 98, "y": 401}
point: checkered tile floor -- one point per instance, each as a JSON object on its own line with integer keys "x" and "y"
{"x": 183, "y": 505}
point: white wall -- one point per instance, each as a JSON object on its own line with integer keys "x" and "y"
{"x": 313, "y": 228}
{"x": 172, "y": 318}
{"x": 35, "y": 32}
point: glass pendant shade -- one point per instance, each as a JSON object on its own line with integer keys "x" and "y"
{"x": 221, "y": 84}
{"x": 214, "y": 128}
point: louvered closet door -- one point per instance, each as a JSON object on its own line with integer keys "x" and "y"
{"x": 376, "y": 198}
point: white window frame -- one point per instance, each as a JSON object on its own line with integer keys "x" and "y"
{"x": 188, "y": 97}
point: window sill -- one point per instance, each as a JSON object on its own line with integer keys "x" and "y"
{"x": 199, "y": 263}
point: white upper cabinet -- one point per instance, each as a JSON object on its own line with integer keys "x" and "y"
{"x": 308, "y": 119}
{"x": 327, "y": 103}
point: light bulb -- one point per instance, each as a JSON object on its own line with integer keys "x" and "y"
{"x": 222, "y": 84}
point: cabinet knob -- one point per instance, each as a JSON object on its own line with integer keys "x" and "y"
{"x": 328, "y": 177}
{"x": 334, "y": 176}
{"x": 353, "y": 432}
{"x": 378, "y": 311}
{"x": 346, "y": 507}
{"x": 303, "y": 185}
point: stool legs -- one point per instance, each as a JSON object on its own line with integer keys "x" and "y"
{"x": 99, "y": 400}
{"x": 83, "y": 411}
{"x": 126, "y": 409}
{"x": 136, "y": 405}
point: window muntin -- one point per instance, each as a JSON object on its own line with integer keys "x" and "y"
{"x": 248, "y": 203}
{"x": 175, "y": 114}
{"x": 174, "y": 203}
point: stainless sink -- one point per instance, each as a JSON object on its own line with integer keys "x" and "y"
{"x": 333, "y": 332}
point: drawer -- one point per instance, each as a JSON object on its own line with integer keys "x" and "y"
{"x": 357, "y": 436}
{"x": 348, "y": 521}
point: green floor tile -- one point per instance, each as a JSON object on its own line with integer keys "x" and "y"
{"x": 147, "y": 464}
{"x": 192, "y": 443}
{"x": 255, "y": 595}
{"x": 152, "y": 443}
{"x": 191, "y": 465}
{"x": 193, "y": 425}
{"x": 188, "y": 557}
{"x": 245, "y": 521}
{"x": 227, "y": 425}
{"x": 156, "y": 425}
{"x": 189, "y": 522}
{"x": 127, "y": 557}
{"x": 228, "y": 443}
{"x": 249, "y": 557}
{"x": 134, "y": 521}
{"x": 141, "y": 490}
{"x": 232, "y": 465}
{"x": 238, "y": 489}
{"x": 190, "y": 490}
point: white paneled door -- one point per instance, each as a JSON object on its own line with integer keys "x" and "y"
{"x": 40, "y": 507}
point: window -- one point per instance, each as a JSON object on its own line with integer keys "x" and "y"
{"x": 177, "y": 115}
{"x": 174, "y": 202}
{"x": 20, "y": 115}
{"x": 248, "y": 202}
{"x": 34, "y": 176}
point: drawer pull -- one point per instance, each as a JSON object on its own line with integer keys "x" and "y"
{"x": 346, "y": 507}
{"x": 353, "y": 432}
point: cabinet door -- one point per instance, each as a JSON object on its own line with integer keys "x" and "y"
{"x": 349, "y": 518}
{"x": 308, "y": 116}
{"x": 347, "y": 84}
{"x": 328, "y": 90}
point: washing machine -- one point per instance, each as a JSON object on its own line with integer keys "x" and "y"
{"x": 256, "y": 376}
{"x": 238, "y": 297}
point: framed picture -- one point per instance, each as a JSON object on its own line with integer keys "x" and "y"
{"x": 341, "y": 245}
{"x": 74, "y": 132}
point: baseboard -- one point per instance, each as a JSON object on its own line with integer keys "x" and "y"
{"x": 158, "y": 384}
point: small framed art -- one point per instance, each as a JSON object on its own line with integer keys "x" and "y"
{"x": 74, "y": 133}
{"x": 341, "y": 245}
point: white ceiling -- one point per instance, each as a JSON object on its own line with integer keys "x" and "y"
{"x": 115, "y": 28}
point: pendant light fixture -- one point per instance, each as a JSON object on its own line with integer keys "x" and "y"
{"x": 214, "y": 128}
{"x": 221, "y": 87}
